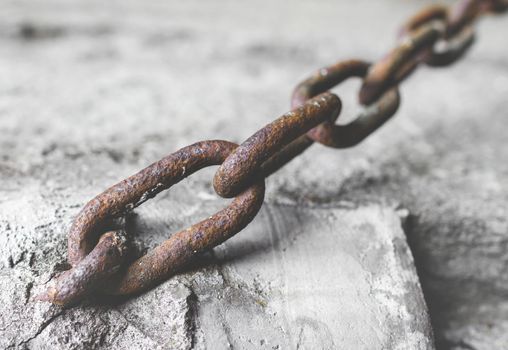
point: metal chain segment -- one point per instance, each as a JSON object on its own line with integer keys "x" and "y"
{"x": 135, "y": 190}
{"x": 171, "y": 255}
{"x": 243, "y": 165}
{"x": 465, "y": 12}
{"x": 433, "y": 12}
{"x": 373, "y": 116}
{"x": 86, "y": 276}
{"x": 243, "y": 168}
{"x": 421, "y": 33}
{"x": 174, "y": 253}
{"x": 400, "y": 62}
{"x": 453, "y": 47}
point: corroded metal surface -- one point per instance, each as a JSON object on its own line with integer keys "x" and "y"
{"x": 172, "y": 254}
{"x": 400, "y": 62}
{"x": 133, "y": 191}
{"x": 454, "y": 48}
{"x": 456, "y": 41}
{"x": 102, "y": 262}
{"x": 373, "y": 116}
{"x": 243, "y": 168}
{"x": 244, "y": 163}
{"x": 431, "y": 13}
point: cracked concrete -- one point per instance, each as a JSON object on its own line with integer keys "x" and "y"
{"x": 90, "y": 93}
{"x": 361, "y": 290}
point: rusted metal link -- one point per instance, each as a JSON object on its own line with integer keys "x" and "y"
{"x": 452, "y": 47}
{"x": 171, "y": 255}
{"x": 87, "y": 276}
{"x": 244, "y": 164}
{"x": 285, "y": 155}
{"x": 373, "y": 116}
{"x": 463, "y": 13}
{"x": 133, "y": 191}
{"x": 424, "y": 16}
{"x": 400, "y": 62}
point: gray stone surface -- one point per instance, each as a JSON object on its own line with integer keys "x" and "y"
{"x": 92, "y": 92}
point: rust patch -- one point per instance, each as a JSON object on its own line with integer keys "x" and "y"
{"x": 86, "y": 276}
{"x": 243, "y": 165}
{"x": 375, "y": 115}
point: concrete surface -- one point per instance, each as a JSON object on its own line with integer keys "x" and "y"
{"x": 92, "y": 92}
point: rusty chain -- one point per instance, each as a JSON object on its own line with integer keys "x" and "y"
{"x": 437, "y": 36}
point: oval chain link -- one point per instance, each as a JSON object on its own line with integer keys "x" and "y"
{"x": 372, "y": 117}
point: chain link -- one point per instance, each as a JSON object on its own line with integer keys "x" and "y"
{"x": 244, "y": 163}
{"x": 373, "y": 116}
{"x": 437, "y": 36}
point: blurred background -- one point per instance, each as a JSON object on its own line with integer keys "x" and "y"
{"x": 93, "y": 91}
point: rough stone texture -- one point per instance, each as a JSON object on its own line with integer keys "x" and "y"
{"x": 92, "y": 92}
{"x": 297, "y": 277}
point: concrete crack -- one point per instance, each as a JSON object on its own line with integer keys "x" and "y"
{"x": 28, "y": 290}
{"x": 191, "y": 317}
{"x": 43, "y": 326}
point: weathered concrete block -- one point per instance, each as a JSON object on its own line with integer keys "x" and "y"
{"x": 297, "y": 277}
